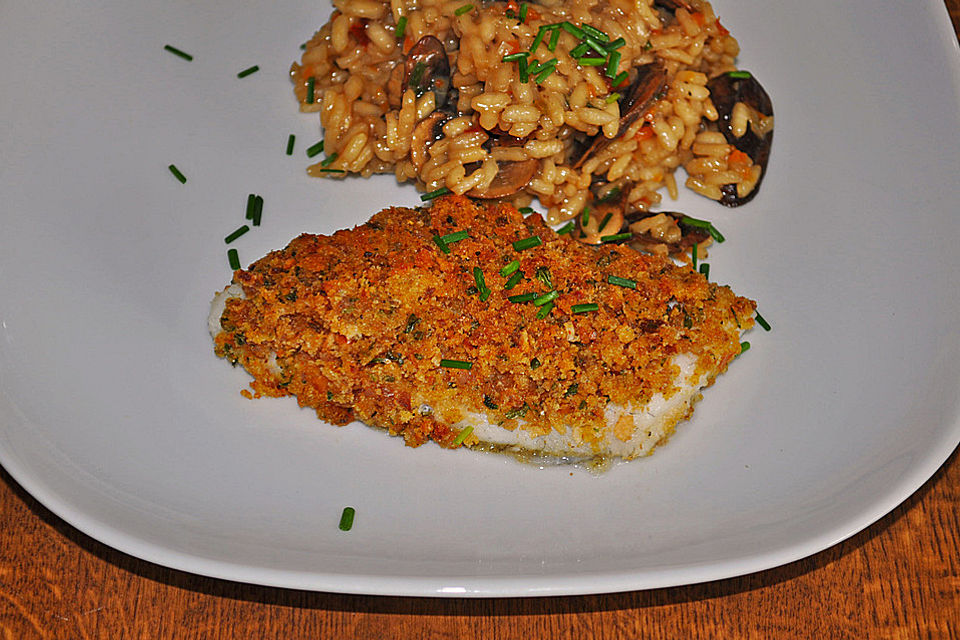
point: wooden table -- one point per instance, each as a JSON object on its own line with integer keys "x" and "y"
{"x": 900, "y": 578}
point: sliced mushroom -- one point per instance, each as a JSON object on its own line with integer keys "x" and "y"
{"x": 647, "y": 86}
{"x": 427, "y": 68}
{"x": 511, "y": 177}
{"x": 748, "y": 127}
{"x": 427, "y": 131}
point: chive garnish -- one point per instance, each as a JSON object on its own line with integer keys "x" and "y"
{"x": 329, "y": 160}
{"x": 290, "y": 140}
{"x": 315, "y": 149}
{"x": 596, "y": 46}
{"x": 585, "y": 216}
{"x": 622, "y": 282}
{"x": 612, "y": 63}
{"x": 545, "y": 73}
{"x": 236, "y": 234}
{"x": 525, "y": 210}
{"x": 572, "y": 29}
{"x": 524, "y": 7}
{"x": 456, "y": 364}
{"x": 612, "y": 193}
{"x": 346, "y": 518}
{"x": 761, "y": 321}
{"x": 478, "y": 278}
{"x": 535, "y": 363}
{"x": 554, "y": 39}
{"x": 442, "y": 191}
{"x": 177, "y": 52}
{"x": 326, "y": 170}
{"x": 234, "y": 259}
{"x": 401, "y": 27}
{"x": 464, "y": 9}
{"x": 510, "y": 268}
{"x": 693, "y": 255}
{"x": 257, "y": 211}
{"x": 517, "y": 413}
{"x": 606, "y": 219}
{"x": 705, "y": 270}
{"x": 416, "y": 76}
{"x": 523, "y": 297}
{"x": 545, "y": 298}
{"x": 565, "y": 229}
{"x": 703, "y": 224}
{"x": 617, "y": 81}
{"x": 590, "y": 62}
{"x": 514, "y": 279}
{"x": 541, "y": 33}
{"x": 176, "y": 174}
{"x": 462, "y": 436}
{"x": 484, "y": 294}
{"x": 522, "y": 70}
{"x": 311, "y": 90}
{"x": 585, "y": 307}
{"x": 739, "y": 74}
{"x": 456, "y": 236}
{"x": 617, "y": 237}
{"x": 545, "y": 310}
{"x": 579, "y": 50}
{"x": 251, "y": 203}
{"x": 744, "y": 346}
{"x": 613, "y": 97}
{"x": 527, "y": 243}
{"x": 593, "y": 31}
{"x": 248, "y": 71}
{"x": 515, "y": 56}
{"x": 616, "y": 44}
{"x": 437, "y": 240}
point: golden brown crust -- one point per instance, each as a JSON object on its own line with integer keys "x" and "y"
{"x": 360, "y": 320}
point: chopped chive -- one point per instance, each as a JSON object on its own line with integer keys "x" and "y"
{"x": 527, "y": 243}
{"x": 523, "y": 297}
{"x": 622, "y": 282}
{"x": 346, "y": 518}
{"x": 590, "y": 62}
{"x": 616, "y": 44}
{"x": 257, "y": 211}
{"x": 535, "y": 363}
{"x": 703, "y": 224}
{"x": 739, "y": 74}
{"x": 437, "y": 240}
{"x": 544, "y": 74}
{"x": 549, "y": 296}
{"x": 584, "y": 308}
{"x": 545, "y": 310}
{"x": 416, "y": 76}
{"x": 464, "y": 9}
{"x": 462, "y": 436}
{"x": 572, "y": 29}
{"x": 541, "y": 33}
{"x": 565, "y": 229}
{"x": 484, "y": 294}
{"x": 514, "y": 279}
{"x": 251, "y": 203}
{"x": 593, "y": 31}
{"x": 515, "y": 56}
{"x": 177, "y": 52}
{"x": 613, "y": 97}
{"x": 693, "y": 255}
{"x": 612, "y": 193}
{"x": 176, "y": 174}
{"x": 315, "y": 149}
{"x": 517, "y": 413}
{"x": 311, "y": 90}
{"x": 326, "y": 170}
{"x": 617, "y": 237}
{"x": 543, "y": 275}
{"x": 303, "y": 47}
{"x": 522, "y": 70}
{"x": 761, "y": 321}
{"x": 510, "y": 268}
{"x": 554, "y": 39}
{"x": 290, "y": 140}
{"x": 478, "y": 278}
{"x": 606, "y": 219}
{"x": 456, "y": 236}
{"x": 612, "y": 63}
{"x": 442, "y": 191}
{"x": 456, "y": 364}
{"x": 234, "y": 259}
{"x": 596, "y": 46}
{"x": 236, "y": 234}
{"x": 248, "y": 71}
{"x": 524, "y": 8}
{"x": 744, "y": 346}
{"x": 619, "y": 79}
{"x": 579, "y": 50}
{"x": 401, "y": 27}
{"x": 329, "y": 160}
{"x": 585, "y": 216}
{"x": 705, "y": 269}
{"x": 525, "y": 210}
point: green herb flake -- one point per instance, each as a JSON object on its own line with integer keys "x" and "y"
{"x": 178, "y": 52}
{"x": 739, "y": 74}
{"x": 622, "y": 282}
{"x": 549, "y": 296}
{"x": 176, "y": 174}
{"x": 586, "y": 307}
{"x": 249, "y": 70}
{"x": 311, "y": 90}
{"x": 517, "y": 413}
{"x": 545, "y": 310}
{"x": 565, "y": 229}
{"x": 315, "y": 149}
{"x": 456, "y": 236}
{"x": 442, "y": 191}
{"x": 535, "y": 363}
{"x": 437, "y": 240}
{"x": 234, "y": 259}
{"x": 291, "y": 139}
{"x": 761, "y": 321}
{"x": 401, "y": 27}
{"x": 513, "y": 281}
{"x": 744, "y": 346}
{"x": 346, "y": 518}
{"x": 705, "y": 270}
{"x": 464, "y": 433}
{"x": 510, "y": 268}
{"x": 236, "y": 234}
{"x": 456, "y": 364}
{"x": 571, "y": 390}
{"x": 523, "y": 297}
{"x": 617, "y": 237}
{"x": 467, "y": 8}
{"x": 527, "y": 243}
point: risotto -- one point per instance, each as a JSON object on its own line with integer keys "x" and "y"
{"x": 568, "y": 102}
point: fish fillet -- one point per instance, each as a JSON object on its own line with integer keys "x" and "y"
{"x": 392, "y": 325}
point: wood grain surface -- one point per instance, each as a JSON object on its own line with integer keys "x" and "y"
{"x": 900, "y": 578}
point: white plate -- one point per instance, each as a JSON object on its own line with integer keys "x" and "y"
{"x": 115, "y": 414}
